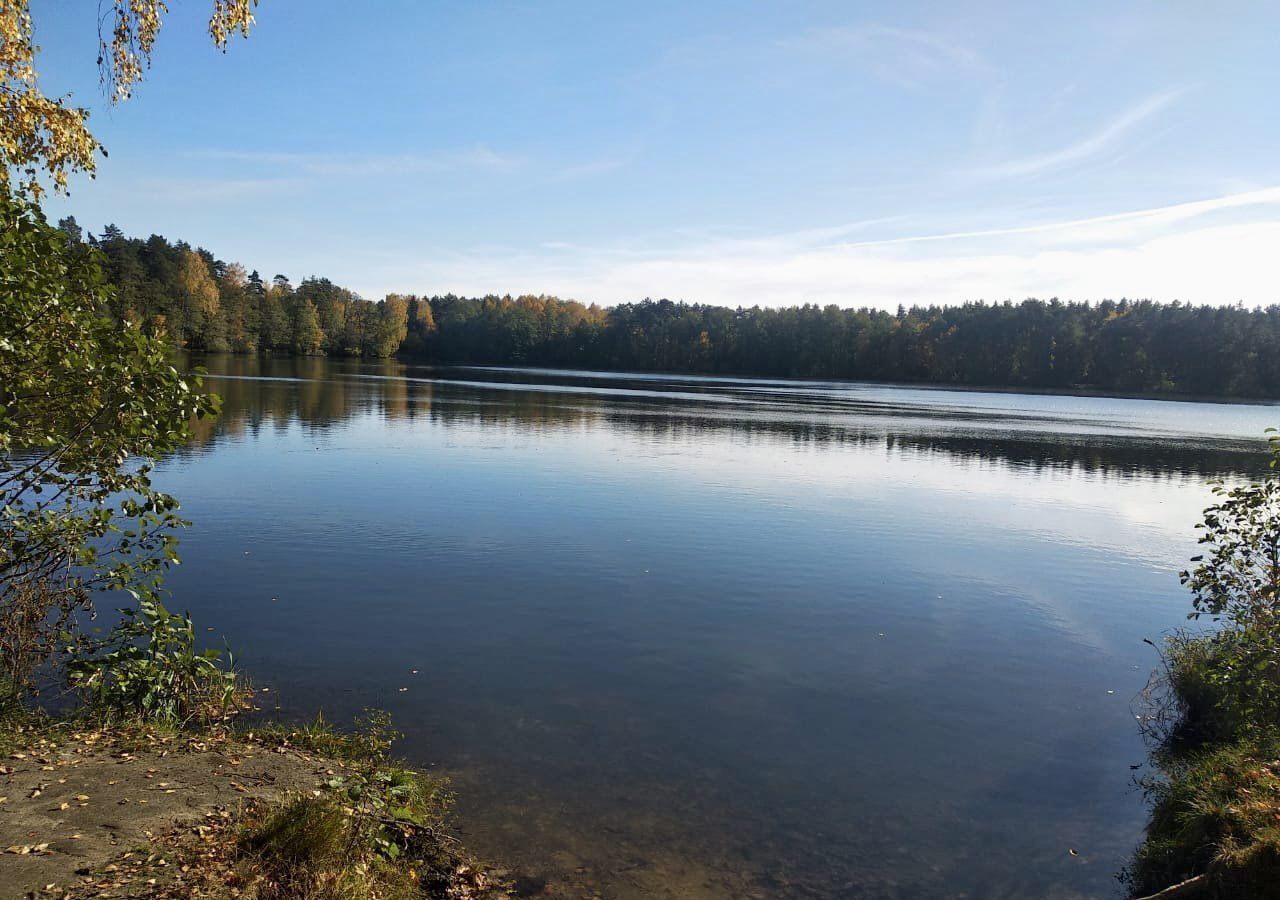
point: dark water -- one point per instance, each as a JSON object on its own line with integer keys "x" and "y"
{"x": 718, "y": 638}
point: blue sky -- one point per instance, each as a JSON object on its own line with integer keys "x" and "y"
{"x": 723, "y": 152}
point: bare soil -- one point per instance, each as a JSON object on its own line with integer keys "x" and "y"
{"x": 92, "y": 814}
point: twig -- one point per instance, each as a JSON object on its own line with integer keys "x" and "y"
{"x": 1192, "y": 887}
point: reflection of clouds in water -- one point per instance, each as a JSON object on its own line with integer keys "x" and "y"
{"x": 1036, "y": 464}
{"x": 902, "y": 484}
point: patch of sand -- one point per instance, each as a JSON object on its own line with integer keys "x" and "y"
{"x": 71, "y": 806}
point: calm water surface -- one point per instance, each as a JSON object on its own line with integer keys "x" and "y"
{"x": 683, "y": 637}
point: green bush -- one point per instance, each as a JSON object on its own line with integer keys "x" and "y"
{"x": 1236, "y": 581}
{"x": 1214, "y": 705}
{"x": 148, "y": 669}
{"x": 1215, "y": 715}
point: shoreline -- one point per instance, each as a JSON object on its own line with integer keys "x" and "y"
{"x": 91, "y": 810}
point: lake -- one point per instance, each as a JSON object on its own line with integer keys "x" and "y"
{"x": 695, "y": 637}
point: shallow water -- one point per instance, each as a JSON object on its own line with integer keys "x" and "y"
{"x": 687, "y": 637}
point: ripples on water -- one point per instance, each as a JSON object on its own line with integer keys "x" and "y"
{"x": 691, "y": 637}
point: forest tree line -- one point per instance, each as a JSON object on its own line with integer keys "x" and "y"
{"x": 199, "y": 302}
{"x": 202, "y": 303}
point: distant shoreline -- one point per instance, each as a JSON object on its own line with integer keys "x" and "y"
{"x": 657, "y": 374}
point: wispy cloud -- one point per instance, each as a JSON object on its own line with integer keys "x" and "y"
{"x": 904, "y": 56}
{"x": 356, "y": 165}
{"x": 478, "y": 159}
{"x": 191, "y": 189}
{"x": 592, "y": 168}
{"x": 1115, "y": 226}
{"x": 1104, "y": 141}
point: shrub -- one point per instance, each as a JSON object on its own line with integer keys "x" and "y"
{"x": 148, "y": 669}
{"x": 1237, "y": 581}
{"x": 1214, "y": 713}
{"x": 1193, "y": 706}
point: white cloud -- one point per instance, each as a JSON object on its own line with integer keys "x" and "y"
{"x": 1101, "y": 142}
{"x": 1220, "y": 250}
{"x": 1114, "y": 226}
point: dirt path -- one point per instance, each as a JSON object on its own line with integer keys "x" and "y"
{"x": 71, "y": 809}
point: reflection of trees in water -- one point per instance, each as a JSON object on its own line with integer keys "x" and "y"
{"x": 264, "y": 393}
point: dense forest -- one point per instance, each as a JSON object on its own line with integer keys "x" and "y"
{"x": 202, "y": 303}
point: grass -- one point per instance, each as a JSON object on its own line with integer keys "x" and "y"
{"x": 21, "y": 726}
{"x": 1215, "y": 812}
{"x": 320, "y": 848}
{"x": 378, "y": 831}
{"x": 1215, "y": 802}
{"x": 369, "y": 741}
{"x": 299, "y": 850}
